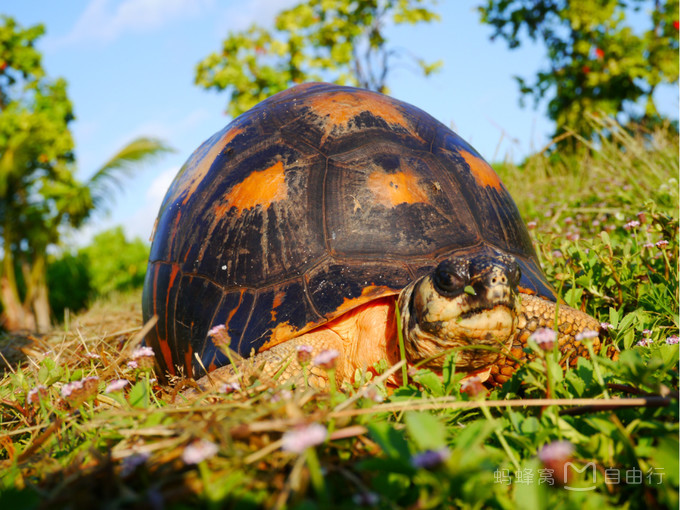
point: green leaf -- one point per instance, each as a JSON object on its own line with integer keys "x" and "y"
{"x": 426, "y": 430}
{"x": 139, "y": 395}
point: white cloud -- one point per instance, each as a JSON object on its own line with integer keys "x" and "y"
{"x": 105, "y": 20}
{"x": 140, "y": 223}
{"x": 240, "y": 15}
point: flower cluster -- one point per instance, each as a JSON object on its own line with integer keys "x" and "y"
{"x": 545, "y": 338}
{"x": 142, "y": 358}
{"x": 198, "y": 451}
{"x": 326, "y": 359}
{"x": 77, "y": 392}
{"x": 303, "y": 437}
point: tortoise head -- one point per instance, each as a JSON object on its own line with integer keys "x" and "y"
{"x": 470, "y": 303}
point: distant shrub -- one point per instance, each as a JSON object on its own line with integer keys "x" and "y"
{"x": 111, "y": 263}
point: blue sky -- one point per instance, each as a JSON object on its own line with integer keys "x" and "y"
{"x": 130, "y": 68}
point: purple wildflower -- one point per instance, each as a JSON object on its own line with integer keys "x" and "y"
{"x": 130, "y": 463}
{"x": 326, "y": 358}
{"x": 631, "y": 225}
{"x": 585, "y": 334}
{"x": 132, "y": 364}
{"x": 34, "y": 395}
{"x": 672, "y": 340}
{"x": 661, "y": 244}
{"x": 216, "y": 330}
{"x": 645, "y": 342}
{"x": 545, "y": 338}
{"x": 231, "y": 387}
{"x": 70, "y": 388}
{"x": 605, "y": 326}
{"x": 430, "y": 459}
{"x": 144, "y": 357}
{"x": 556, "y": 451}
{"x": 198, "y": 451}
{"x": 304, "y": 353}
{"x": 366, "y": 499}
{"x": 301, "y": 438}
{"x": 472, "y": 386}
{"x": 116, "y": 385}
{"x": 142, "y": 352}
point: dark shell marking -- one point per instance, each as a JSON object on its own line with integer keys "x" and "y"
{"x": 316, "y": 201}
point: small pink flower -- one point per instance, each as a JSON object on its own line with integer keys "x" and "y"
{"x": 645, "y": 342}
{"x": 142, "y": 352}
{"x": 532, "y": 225}
{"x": 631, "y": 225}
{"x": 585, "y": 334}
{"x": 231, "y": 387}
{"x": 661, "y": 244}
{"x": 93, "y": 355}
{"x": 301, "y": 438}
{"x": 116, "y": 385}
{"x": 198, "y": 451}
{"x": 304, "y": 353}
{"x": 568, "y": 220}
{"x": 646, "y": 332}
{"x": 472, "y": 386}
{"x": 326, "y": 358}
{"x": 648, "y": 246}
{"x": 143, "y": 357}
{"x": 556, "y": 451}
{"x": 70, "y": 388}
{"x": 216, "y": 330}
{"x": 556, "y": 456}
{"x": 132, "y": 364}
{"x": 672, "y": 340}
{"x": 36, "y": 394}
{"x": 545, "y": 338}
{"x": 557, "y": 254}
{"x": 605, "y": 326}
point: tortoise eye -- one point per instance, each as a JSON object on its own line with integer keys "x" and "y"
{"x": 449, "y": 279}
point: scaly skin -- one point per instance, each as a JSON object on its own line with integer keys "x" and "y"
{"x": 538, "y": 313}
{"x": 357, "y": 351}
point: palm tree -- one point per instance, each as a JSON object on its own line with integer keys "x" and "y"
{"x": 33, "y": 224}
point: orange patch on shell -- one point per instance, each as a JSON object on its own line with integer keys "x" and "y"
{"x": 281, "y": 333}
{"x": 199, "y": 165}
{"x": 262, "y": 187}
{"x": 368, "y": 293}
{"x": 398, "y": 188}
{"x": 482, "y": 171}
{"x": 524, "y": 290}
{"x": 339, "y": 108}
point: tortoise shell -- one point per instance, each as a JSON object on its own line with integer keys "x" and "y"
{"x": 316, "y": 201}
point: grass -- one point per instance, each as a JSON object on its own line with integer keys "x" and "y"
{"x": 424, "y": 445}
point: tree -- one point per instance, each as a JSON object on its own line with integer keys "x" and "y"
{"x": 598, "y": 62}
{"x": 342, "y": 41}
{"x": 39, "y": 194}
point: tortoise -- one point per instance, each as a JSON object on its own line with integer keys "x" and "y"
{"x": 313, "y": 216}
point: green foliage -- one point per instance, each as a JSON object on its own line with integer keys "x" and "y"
{"x": 114, "y": 263}
{"x": 341, "y": 41}
{"x": 39, "y": 193}
{"x": 598, "y": 62}
{"x": 69, "y": 283}
{"x": 110, "y": 263}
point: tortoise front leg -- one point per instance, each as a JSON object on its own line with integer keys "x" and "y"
{"x": 536, "y": 313}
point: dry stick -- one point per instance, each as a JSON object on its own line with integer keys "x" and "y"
{"x": 540, "y": 402}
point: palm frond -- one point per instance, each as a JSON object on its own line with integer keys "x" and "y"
{"x": 122, "y": 164}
